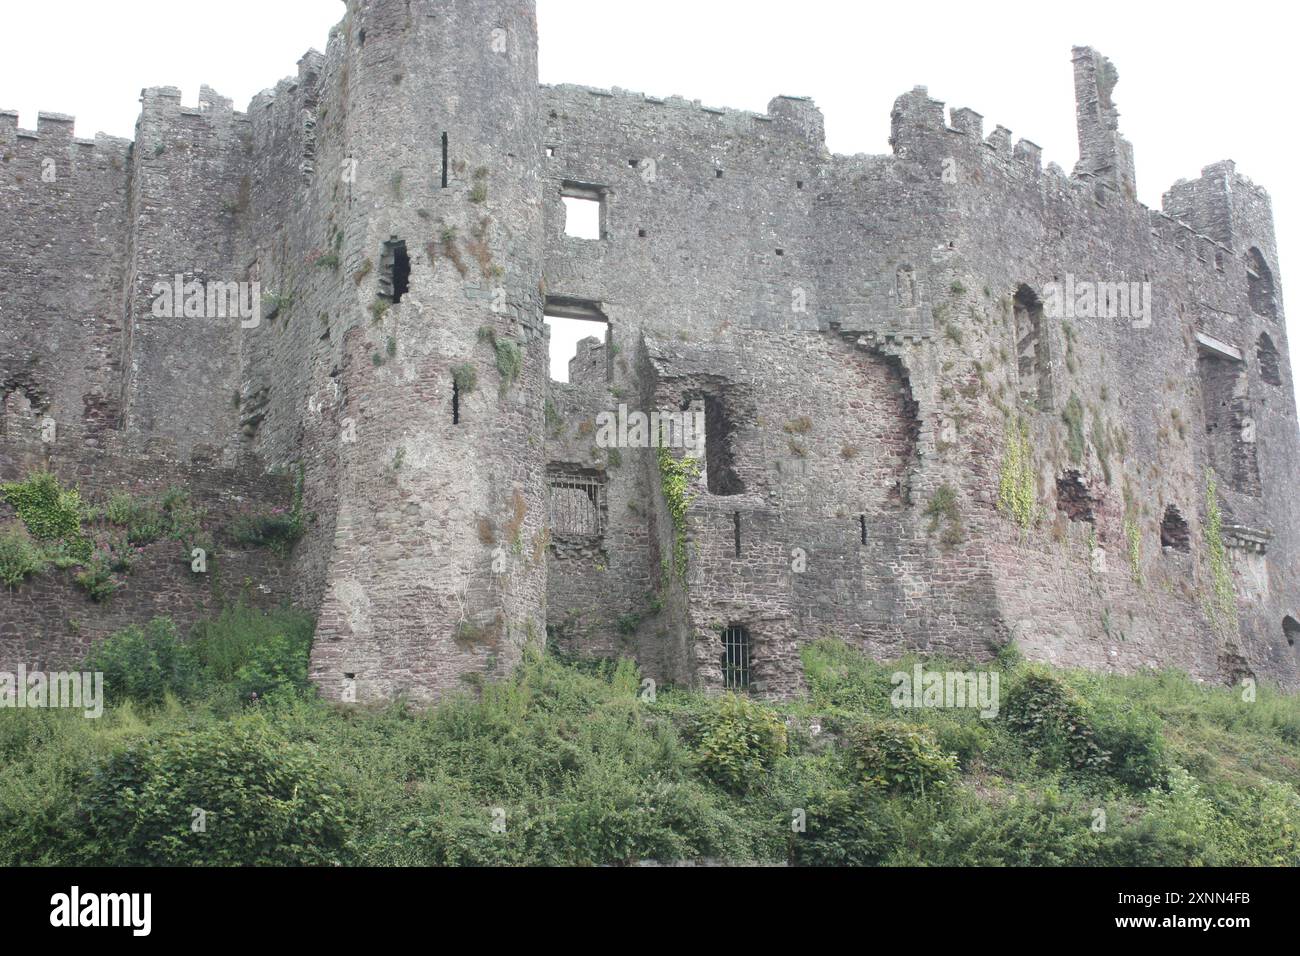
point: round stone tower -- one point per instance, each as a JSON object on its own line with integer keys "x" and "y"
{"x": 437, "y": 577}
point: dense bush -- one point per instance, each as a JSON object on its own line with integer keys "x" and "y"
{"x": 20, "y": 557}
{"x": 1049, "y": 715}
{"x": 901, "y": 758}
{"x": 735, "y": 739}
{"x": 227, "y": 795}
{"x": 144, "y": 664}
{"x": 254, "y": 652}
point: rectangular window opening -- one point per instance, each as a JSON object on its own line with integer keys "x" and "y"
{"x": 394, "y": 271}
{"x": 1229, "y": 421}
{"x": 584, "y": 210}
{"x": 862, "y": 522}
{"x": 444, "y": 161}
{"x": 579, "y": 340}
{"x": 736, "y": 521}
{"x": 1033, "y": 361}
{"x": 736, "y": 657}
{"x": 577, "y": 506}
{"x": 719, "y": 433}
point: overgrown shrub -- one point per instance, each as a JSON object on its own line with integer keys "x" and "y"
{"x": 20, "y": 557}
{"x": 234, "y": 794}
{"x": 736, "y": 739}
{"x": 147, "y": 520}
{"x": 567, "y": 764}
{"x": 96, "y": 577}
{"x": 901, "y": 758}
{"x": 144, "y": 664}
{"x": 1051, "y": 717}
{"x": 254, "y": 651}
{"x": 274, "y": 529}
{"x": 280, "y": 663}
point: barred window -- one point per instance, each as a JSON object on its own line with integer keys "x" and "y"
{"x": 577, "y": 506}
{"x": 736, "y": 657}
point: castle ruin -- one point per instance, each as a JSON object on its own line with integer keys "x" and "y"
{"x": 949, "y": 398}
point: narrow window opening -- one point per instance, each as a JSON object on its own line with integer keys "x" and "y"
{"x": 1174, "y": 533}
{"x": 862, "y": 523}
{"x": 719, "y": 434}
{"x": 799, "y": 184}
{"x": 717, "y": 174}
{"x": 1031, "y": 350}
{"x": 736, "y": 521}
{"x": 394, "y": 271}
{"x": 1229, "y": 424}
{"x": 444, "y": 160}
{"x": 736, "y": 657}
{"x": 1291, "y": 628}
{"x": 455, "y": 402}
{"x": 362, "y": 37}
{"x": 1259, "y": 284}
{"x": 584, "y": 210}
{"x": 1270, "y": 368}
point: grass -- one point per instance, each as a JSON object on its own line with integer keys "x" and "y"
{"x": 569, "y": 762}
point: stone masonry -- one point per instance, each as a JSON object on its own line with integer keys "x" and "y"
{"x": 950, "y": 399}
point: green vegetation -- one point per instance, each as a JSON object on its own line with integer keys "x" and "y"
{"x": 1133, "y": 536}
{"x": 568, "y": 762}
{"x": 1073, "y": 418}
{"x": 51, "y": 513}
{"x": 944, "y": 509}
{"x": 677, "y": 475}
{"x": 20, "y": 556}
{"x": 278, "y": 529}
{"x": 59, "y": 530}
{"x": 509, "y": 355}
{"x": 1222, "y": 605}
{"x": 1017, "y": 483}
{"x": 465, "y": 378}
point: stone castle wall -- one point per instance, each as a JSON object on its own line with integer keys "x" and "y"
{"x": 862, "y": 335}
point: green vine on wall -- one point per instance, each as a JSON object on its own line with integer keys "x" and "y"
{"x": 49, "y": 512}
{"x": 1017, "y": 485}
{"x": 1133, "y": 535}
{"x": 1222, "y": 606}
{"x": 677, "y": 475}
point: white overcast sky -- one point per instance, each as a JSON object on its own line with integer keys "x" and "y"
{"x": 1198, "y": 82}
